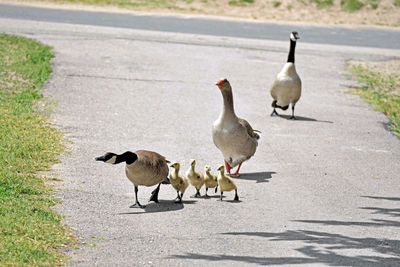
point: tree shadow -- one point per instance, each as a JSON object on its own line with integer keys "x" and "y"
{"x": 384, "y": 198}
{"x": 259, "y": 177}
{"x": 383, "y": 211}
{"x": 319, "y": 247}
{"x": 161, "y": 206}
{"x": 301, "y": 118}
{"x": 332, "y": 241}
{"x": 392, "y": 212}
{"x": 373, "y": 223}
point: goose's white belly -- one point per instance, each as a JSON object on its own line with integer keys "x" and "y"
{"x": 234, "y": 142}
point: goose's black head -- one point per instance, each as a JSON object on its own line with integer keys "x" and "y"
{"x": 112, "y": 158}
{"x": 294, "y": 36}
{"x": 108, "y": 158}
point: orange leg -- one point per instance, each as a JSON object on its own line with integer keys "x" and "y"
{"x": 227, "y": 167}
{"x": 236, "y": 174}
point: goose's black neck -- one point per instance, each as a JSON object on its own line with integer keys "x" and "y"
{"x": 129, "y": 157}
{"x": 291, "y": 51}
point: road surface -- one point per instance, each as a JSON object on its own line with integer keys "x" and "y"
{"x": 321, "y": 190}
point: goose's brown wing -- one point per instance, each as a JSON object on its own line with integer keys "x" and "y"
{"x": 249, "y": 129}
{"x": 154, "y": 161}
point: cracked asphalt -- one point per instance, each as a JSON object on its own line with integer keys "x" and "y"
{"x": 321, "y": 190}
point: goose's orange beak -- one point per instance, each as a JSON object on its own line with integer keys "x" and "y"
{"x": 219, "y": 82}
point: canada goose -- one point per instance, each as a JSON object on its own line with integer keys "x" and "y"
{"x": 226, "y": 183}
{"x": 142, "y": 168}
{"x": 233, "y": 136}
{"x": 178, "y": 182}
{"x": 210, "y": 180}
{"x": 286, "y": 88}
{"x": 195, "y": 178}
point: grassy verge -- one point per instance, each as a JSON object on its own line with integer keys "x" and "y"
{"x": 30, "y": 231}
{"x": 381, "y": 89}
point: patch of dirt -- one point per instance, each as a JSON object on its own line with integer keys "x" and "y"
{"x": 300, "y": 11}
{"x": 386, "y": 13}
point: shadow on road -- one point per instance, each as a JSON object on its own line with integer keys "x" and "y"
{"x": 323, "y": 247}
{"x": 319, "y": 247}
{"x": 300, "y": 118}
{"x": 392, "y": 212}
{"x": 373, "y": 223}
{"x": 259, "y": 177}
{"x": 384, "y": 198}
{"x": 162, "y": 206}
{"x": 383, "y": 211}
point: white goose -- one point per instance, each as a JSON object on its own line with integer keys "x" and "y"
{"x": 286, "y": 88}
{"x": 233, "y": 136}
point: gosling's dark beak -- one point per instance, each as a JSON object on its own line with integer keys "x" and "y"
{"x": 101, "y": 158}
{"x": 171, "y": 166}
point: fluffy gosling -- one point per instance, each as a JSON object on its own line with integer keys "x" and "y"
{"x": 210, "y": 180}
{"x": 177, "y": 181}
{"x": 195, "y": 178}
{"x": 226, "y": 183}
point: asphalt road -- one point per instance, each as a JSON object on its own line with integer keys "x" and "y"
{"x": 322, "y": 190}
{"x": 356, "y": 36}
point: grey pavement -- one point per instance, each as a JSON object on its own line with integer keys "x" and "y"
{"x": 340, "y": 35}
{"x": 322, "y": 190}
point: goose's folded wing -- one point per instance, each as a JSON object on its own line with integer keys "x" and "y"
{"x": 249, "y": 129}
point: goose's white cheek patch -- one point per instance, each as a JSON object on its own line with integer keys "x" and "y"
{"x": 111, "y": 160}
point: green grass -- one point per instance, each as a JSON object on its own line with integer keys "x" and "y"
{"x": 351, "y": 5}
{"x": 374, "y": 4}
{"x": 322, "y": 3}
{"x": 382, "y": 91}
{"x": 276, "y": 3}
{"x": 240, "y": 2}
{"x": 30, "y": 231}
{"x": 396, "y": 3}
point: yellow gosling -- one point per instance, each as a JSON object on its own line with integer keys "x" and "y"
{"x": 195, "y": 178}
{"x": 179, "y": 182}
{"x": 210, "y": 180}
{"x": 226, "y": 183}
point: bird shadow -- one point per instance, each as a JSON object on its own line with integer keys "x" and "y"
{"x": 301, "y": 118}
{"x": 211, "y": 196}
{"x": 232, "y": 201}
{"x": 161, "y": 206}
{"x": 259, "y": 177}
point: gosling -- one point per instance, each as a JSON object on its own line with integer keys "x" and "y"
{"x": 210, "y": 180}
{"x": 178, "y": 182}
{"x": 226, "y": 183}
{"x": 195, "y": 178}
